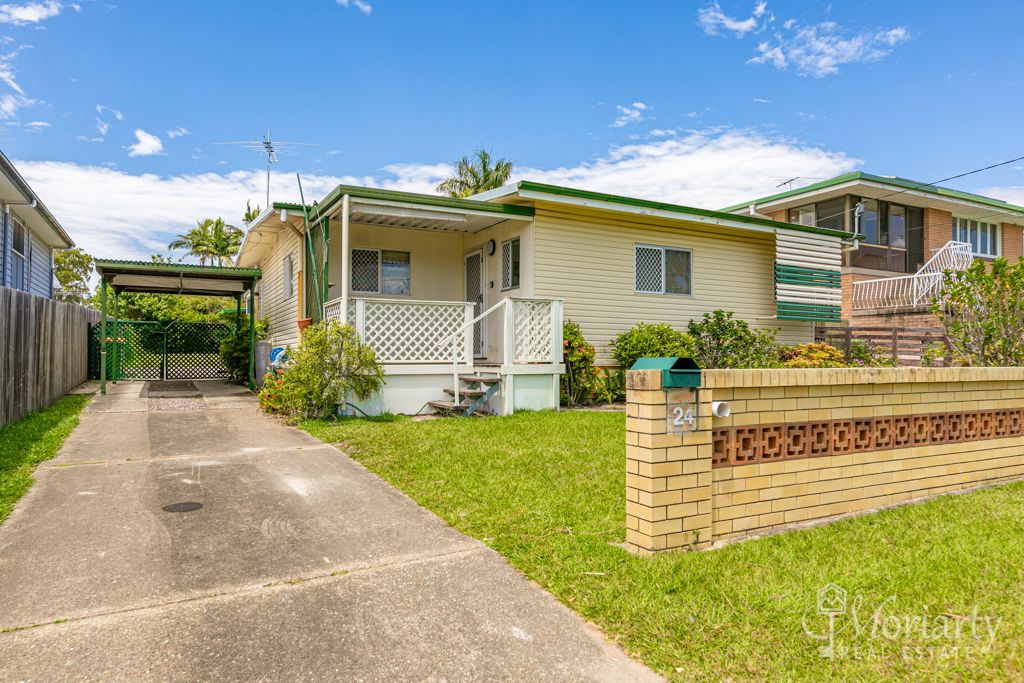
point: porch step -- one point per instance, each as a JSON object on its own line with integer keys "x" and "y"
{"x": 447, "y": 406}
{"x": 471, "y": 393}
{"x": 480, "y": 379}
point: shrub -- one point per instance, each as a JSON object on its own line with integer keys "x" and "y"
{"x": 330, "y": 365}
{"x": 812, "y": 356}
{"x": 935, "y": 354}
{"x": 611, "y": 386}
{"x": 867, "y": 354}
{"x": 982, "y": 310}
{"x": 650, "y": 340}
{"x": 719, "y": 341}
{"x": 577, "y": 384}
{"x": 234, "y": 350}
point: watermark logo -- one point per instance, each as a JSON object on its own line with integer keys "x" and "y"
{"x": 849, "y": 628}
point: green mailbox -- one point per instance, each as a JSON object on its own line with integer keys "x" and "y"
{"x": 676, "y": 373}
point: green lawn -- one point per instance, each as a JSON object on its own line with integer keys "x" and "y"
{"x": 547, "y": 491}
{"x": 30, "y": 441}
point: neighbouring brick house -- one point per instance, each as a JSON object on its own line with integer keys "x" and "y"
{"x": 910, "y": 233}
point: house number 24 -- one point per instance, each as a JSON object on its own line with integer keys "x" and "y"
{"x": 682, "y": 411}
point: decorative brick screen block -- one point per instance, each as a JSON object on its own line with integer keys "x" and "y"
{"x": 809, "y": 445}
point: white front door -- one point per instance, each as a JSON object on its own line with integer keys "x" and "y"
{"x": 475, "y": 294}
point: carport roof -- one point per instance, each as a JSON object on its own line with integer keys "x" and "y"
{"x": 176, "y": 278}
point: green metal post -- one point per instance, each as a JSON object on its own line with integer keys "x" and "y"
{"x": 117, "y": 353}
{"x": 252, "y": 339}
{"x": 238, "y": 312}
{"x": 327, "y": 258}
{"x": 103, "y": 336}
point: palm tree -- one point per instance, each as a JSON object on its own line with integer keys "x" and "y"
{"x": 211, "y": 241}
{"x": 475, "y": 174}
{"x": 251, "y": 214}
{"x": 225, "y": 241}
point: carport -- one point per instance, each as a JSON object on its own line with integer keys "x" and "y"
{"x": 171, "y": 278}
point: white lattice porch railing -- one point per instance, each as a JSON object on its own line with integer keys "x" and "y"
{"x": 404, "y": 331}
{"x": 919, "y": 289}
{"x": 533, "y": 331}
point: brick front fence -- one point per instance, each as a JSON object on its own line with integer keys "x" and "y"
{"x": 807, "y": 445}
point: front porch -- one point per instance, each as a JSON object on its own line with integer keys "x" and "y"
{"x": 442, "y": 289}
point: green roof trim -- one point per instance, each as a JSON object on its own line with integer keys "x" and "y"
{"x": 675, "y": 208}
{"x": 335, "y": 195}
{"x": 901, "y": 183}
{"x": 791, "y": 310}
{"x": 175, "y": 268}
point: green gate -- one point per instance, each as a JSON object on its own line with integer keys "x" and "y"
{"x": 150, "y": 350}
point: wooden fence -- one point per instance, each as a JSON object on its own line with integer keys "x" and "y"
{"x": 43, "y": 351}
{"x": 907, "y": 344}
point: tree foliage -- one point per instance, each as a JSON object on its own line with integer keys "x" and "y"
{"x": 251, "y": 213}
{"x": 72, "y": 268}
{"x": 212, "y": 241}
{"x": 476, "y": 173}
{"x": 580, "y": 377}
{"x": 650, "y": 340}
{"x": 235, "y": 349}
{"x": 982, "y": 310}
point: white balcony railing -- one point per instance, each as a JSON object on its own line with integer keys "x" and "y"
{"x": 919, "y": 289}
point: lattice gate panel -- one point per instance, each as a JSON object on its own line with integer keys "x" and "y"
{"x": 193, "y": 350}
{"x": 140, "y": 348}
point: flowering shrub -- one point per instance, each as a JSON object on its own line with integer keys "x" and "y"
{"x": 650, "y": 340}
{"x": 577, "y": 384}
{"x": 812, "y": 356}
{"x": 270, "y": 392}
{"x": 719, "y": 341}
{"x": 866, "y": 354}
{"x": 611, "y": 386}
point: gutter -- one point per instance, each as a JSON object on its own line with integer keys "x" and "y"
{"x": 19, "y": 182}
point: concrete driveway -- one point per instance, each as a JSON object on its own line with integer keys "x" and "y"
{"x": 192, "y": 538}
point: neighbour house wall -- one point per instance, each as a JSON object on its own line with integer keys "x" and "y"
{"x": 808, "y": 445}
{"x": 281, "y": 313}
{"x": 38, "y": 260}
{"x": 586, "y": 257}
{"x": 40, "y": 274}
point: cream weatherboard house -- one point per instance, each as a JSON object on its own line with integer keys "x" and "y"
{"x": 463, "y": 299}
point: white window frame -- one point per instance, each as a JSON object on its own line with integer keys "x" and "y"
{"x": 380, "y": 271}
{"x": 662, "y": 249}
{"x": 288, "y": 271}
{"x": 508, "y": 244}
{"x": 26, "y": 245}
{"x": 961, "y": 233}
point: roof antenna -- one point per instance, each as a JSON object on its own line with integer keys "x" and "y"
{"x": 267, "y": 146}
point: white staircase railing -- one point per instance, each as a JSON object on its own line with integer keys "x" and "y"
{"x": 913, "y": 290}
{"x": 533, "y": 334}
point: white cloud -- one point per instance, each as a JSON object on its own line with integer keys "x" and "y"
{"x": 821, "y": 49}
{"x": 146, "y": 144}
{"x": 37, "y": 124}
{"x": 713, "y": 20}
{"x": 634, "y": 113}
{"x": 100, "y": 108}
{"x": 29, "y": 12}
{"x": 361, "y": 5}
{"x": 708, "y": 169}
{"x": 1008, "y": 193}
{"x": 761, "y": 100}
{"x": 178, "y": 132}
{"x": 102, "y": 127}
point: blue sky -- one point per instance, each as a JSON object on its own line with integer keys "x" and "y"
{"x": 112, "y": 111}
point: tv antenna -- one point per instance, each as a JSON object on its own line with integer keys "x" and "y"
{"x": 265, "y": 145}
{"x": 788, "y": 182}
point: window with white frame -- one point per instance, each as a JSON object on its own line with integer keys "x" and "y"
{"x": 662, "y": 270}
{"x": 983, "y": 237}
{"x": 381, "y": 271}
{"x": 19, "y": 252}
{"x": 289, "y": 275}
{"x": 510, "y": 264}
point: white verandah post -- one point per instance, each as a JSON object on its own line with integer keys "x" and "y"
{"x": 346, "y": 259}
{"x": 509, "y": 332}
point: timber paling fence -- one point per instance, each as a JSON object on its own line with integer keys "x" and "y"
{"x": 43, "y": 351}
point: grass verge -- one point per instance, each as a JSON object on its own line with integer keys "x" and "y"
{"x": 31, "y": 440}
{"x": 547, "y": 491}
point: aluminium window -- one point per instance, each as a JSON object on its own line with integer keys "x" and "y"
{"x": 662, "y": 270}
{"x": 381, "y": 271}
{"x": 983, "y": 237}
{"x": 289, "y": 275}
{"x": 510, "y": 264}
{"x": 19, "y": 253}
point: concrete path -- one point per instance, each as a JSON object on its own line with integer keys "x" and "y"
{"x": 195, "y": 539}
